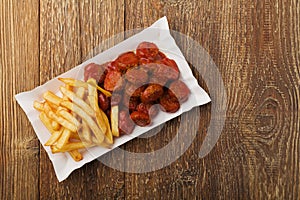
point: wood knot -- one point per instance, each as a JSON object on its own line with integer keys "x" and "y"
{"x": 268, "y": 117}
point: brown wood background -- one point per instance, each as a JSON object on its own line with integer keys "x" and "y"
{"x": 256, "y": 46}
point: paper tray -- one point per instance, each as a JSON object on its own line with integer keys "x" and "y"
{"x": 159, "y": 34}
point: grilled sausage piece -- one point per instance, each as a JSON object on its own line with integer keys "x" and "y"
{"x": 133, "y": 91}
{"x": 103, "y": 101}
{"x": 168, "y": 62}
{"x": 115, "y": 98}
{"x": 130, "y": 102}
{"x": 127, "y": 60}
{"x": 166, "y": 71}
{"x": 150, "y": 109}
{"x": 180, "y": 90}
{"x": 169, "y": 103}
{"x": 137, "y": 76}
{"x": 126, "y": 125}
{"x": 160, "y": 56}
{"x": 113, "y": 81}
{"x": 152, "y": 93}
{"x": 140, "y": 118}
{"x": 147, "y": 50}
{"x": 95, "y": 71}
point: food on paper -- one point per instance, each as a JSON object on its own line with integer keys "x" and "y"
{"x": 157, "y": 33}
{"x": 139, "y": 81}
{"x": 134, "y": 85}
{"x": 75, "y": 120}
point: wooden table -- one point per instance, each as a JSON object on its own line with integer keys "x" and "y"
{"x": 255, "y": 45}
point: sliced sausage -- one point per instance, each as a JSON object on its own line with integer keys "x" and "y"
{"x": 169, "y": 103}
{"x": 137, "y": 76}
{"x": 152, "y": 93}
{"x": 140, "y": 118}
{"x": 134, "y": 91}
{"x": 126, "y": 61}
{"x": 126, "y": 125}
{"x": 104, "y": 101}
{"x": 113, "y": 81}
{"x": 95, "y": 71}
{"x": 150, "y": 109}
{"x": 147, "y": 50}
{"x": 180, "y": 90}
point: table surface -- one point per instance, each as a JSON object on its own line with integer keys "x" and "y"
{"x": 256, "y": 47}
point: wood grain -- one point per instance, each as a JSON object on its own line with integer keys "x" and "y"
{"x": 256, "y": 46}
{"x": 70, "y": 31}
{"x": 19, "y": 71}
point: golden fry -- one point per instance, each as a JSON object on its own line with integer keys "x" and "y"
{"x": 93, "y": 126}
{"x": 54, "y": 137}
{"x": 71, "y": 146}
{"x": 85, "y": 133}
{"x": 59, "y": 119}
{"x": 100, "y": 118}
{"x": 71, "y": 95}
{"x": 114, "y": 119}
{"x": 105, "y": 145}
{"x": 78, "y": 83}
{"x": 73, "y": 118}
{"x": 38, "y": 106}
{"x": 52, "y": 98}
{"x": 68, "y": 116}
{"x": 94, "y": 103}
{"x": 80, "y": 92}
{"x": 55, "y": 125}
{"x": 46, "y": 121}
{"x": 76, "y": 155}
{"x": 74, "y": 136}
{"x": 64, "y": 138}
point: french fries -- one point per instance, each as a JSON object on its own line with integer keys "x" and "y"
{"x": 78, "y": 83}
{"x": 114, "y": 121}
{"x": 75, "y": 120}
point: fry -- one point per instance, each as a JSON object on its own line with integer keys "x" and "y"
{"x": 74, "y": 136}
{"x": 68, "y": 116}
{"x": 59, "y": 119}
{"x": 80, "y": 92}
{"x": 55, "y": 125}
{"x": 54, "y": 137}
{"x": 94, "y": 140}
{"x": 46, "y": 121}
{"x": 71, "y": 95}
{"x": 71, "y": 146}
{"x": 38, "y": 106}
{"x": 100, "y": 115}
{"x": 72, "y": 118}
{"x": 114, "y": 118}
{"x": 84, "y": 132}
{"x": 52, "y": 98}
{"x": 76, "y": 155}
{"x": 78, "y": 83}
{"x": 63, "y": 138}
{"x": 68, "y": 87}
{"x": 93, "y": 126}
{"x": 108, "y": 132}
{"x": 94, "y": 102}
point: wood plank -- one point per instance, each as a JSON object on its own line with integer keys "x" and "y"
{"x": 59, "y": 52}
{"x": 102, "y": 24}
{"x": 179, "y": 179}
{"x": 19, "y": 72}
{"x": 70, "y": 32}
{"x": 256, "y": 48}
{"x": 254, "y": 44}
